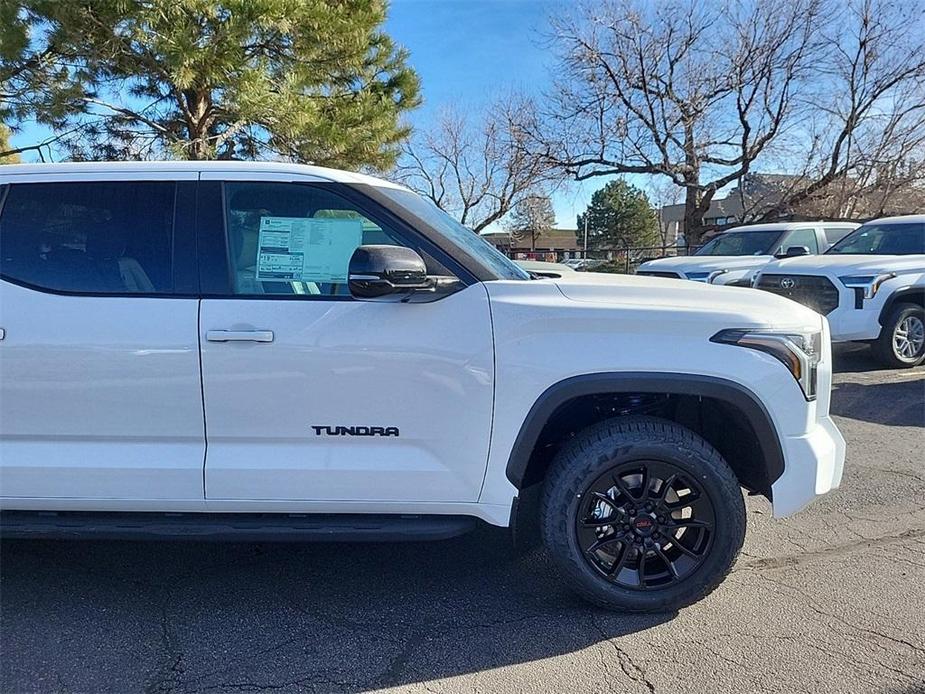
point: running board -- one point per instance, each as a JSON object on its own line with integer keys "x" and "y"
{"x": 238, "y": 527}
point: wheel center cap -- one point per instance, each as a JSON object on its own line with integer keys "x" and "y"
{"x": 644, "y": 525}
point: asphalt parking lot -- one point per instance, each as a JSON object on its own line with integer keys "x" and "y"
{"x": 831, "y": 600}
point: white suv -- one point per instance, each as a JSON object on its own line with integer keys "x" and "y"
{"x": 265, "y": 351}
{"x": 733, "y": 256}
{"x": 870, "y": 286}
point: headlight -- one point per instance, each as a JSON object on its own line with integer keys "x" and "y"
{"x": 697, "y": 276}
{"x": 868, "y": 284}
{"x": 799, "y": 352}
{"x": 712, "y": 277}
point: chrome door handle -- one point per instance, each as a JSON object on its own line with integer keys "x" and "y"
{"x": 239, "y": 335}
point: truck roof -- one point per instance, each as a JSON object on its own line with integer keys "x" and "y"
{"x": 318, "y": 173}
{"x": 920, "y": 218}
{"x": 786, "y": 226}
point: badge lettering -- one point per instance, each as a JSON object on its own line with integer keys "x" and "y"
{"x": 325, "y": 430}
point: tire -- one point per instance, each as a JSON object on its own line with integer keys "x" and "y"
{"x": 594, "y": 459}
{"x": 902, "y": 317}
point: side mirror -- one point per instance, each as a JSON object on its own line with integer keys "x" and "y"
{"x": 380, "y": 271}
{"x": 793, "y": 252}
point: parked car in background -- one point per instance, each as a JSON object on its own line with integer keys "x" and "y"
{"x": 732, "y": 256}
{"x": 870, "y": 286}
{"x": 540, "y": 268}
{"x": 583, "y": 264}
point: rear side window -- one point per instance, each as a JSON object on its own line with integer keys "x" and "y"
{"x": 106, "y": 237}
{"x": 835, "y": 234}
{"x": 801, "y": 237}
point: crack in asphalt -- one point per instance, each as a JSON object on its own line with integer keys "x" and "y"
{"x": 826, "y": 552}
{"x": 825, "y": 649}
{"x": 629, "y": 667}
{"x": 812, "y": 605}
{"x": 168, "y": 676}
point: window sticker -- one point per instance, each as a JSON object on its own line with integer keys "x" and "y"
{"x": 306, "y": 250}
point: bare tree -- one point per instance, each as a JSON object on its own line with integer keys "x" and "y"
{"x": 865, "y": 132}
{"x": 532, "y": 217}
{"x": 474, "y": 167}
{"x": 686, "y": 89}
{"x": 663, "y": 192}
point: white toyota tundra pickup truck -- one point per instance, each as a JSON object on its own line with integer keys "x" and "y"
{"x": 870, "y": 286}
{"x": 733, "y": 256}
{"x": 272, "y": 351}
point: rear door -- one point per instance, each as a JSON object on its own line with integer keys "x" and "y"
{"x": 100, "y": 395}
{"x": 311, "y": 395}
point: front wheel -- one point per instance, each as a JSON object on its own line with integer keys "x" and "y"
{"x": 902, "y": 341}
{"x": 642, "y": 515}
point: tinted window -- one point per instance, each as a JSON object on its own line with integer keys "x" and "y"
{"x": 286, "y": 238}
{"x": 801, "y": 237}
{"x": 741, "y": 243}
{"x": 883, "y": 239}
{"x": 835, "y": 234}
{"x": 89, "y": 237}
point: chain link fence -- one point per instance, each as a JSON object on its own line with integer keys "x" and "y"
{"x": 620, "y": 260}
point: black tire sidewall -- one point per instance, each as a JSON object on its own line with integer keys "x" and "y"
{"x": 717, "y": 482}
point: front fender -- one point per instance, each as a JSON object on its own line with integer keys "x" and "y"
{"x": 734, "y": 394}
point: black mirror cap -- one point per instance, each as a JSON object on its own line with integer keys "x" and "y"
{"x": 793, "y": 252}
{"x": 378, "y": 271}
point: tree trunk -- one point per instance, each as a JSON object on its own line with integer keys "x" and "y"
{"x": 693, "y": 216}
{"x": 693, "y": 212}
{"x": 198, "y": 123}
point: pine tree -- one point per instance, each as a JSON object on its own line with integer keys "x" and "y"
{"x": 305, "y": 80}
{"x": 619, "y": 216}
{"x": 5, "y": 146}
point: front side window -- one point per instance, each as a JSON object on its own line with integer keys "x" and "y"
{"x": 291, "y": 239}
{"x": 474, "y": 244}
{"x": 801, "y": 237}
{"x": 101, "y": 237}
{"x": 883, "y": 239}
{"x": 741, "y": 243}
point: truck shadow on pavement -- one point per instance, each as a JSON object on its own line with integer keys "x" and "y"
{"x": 190, "y": 617}
{"x": 898, "y": 404}
{"x": 878, "y": 396}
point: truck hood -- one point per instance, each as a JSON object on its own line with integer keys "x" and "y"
{"x": 706, "y": 263}
{"x": 732, "y": 307}
{"x": 847, "y": 264}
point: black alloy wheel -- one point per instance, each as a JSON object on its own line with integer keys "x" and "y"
{"x": 641, "y": 514}
{"x": 645, "y": 525}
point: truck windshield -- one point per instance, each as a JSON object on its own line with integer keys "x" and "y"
{"x": 883, "y": 239}
{"x": 474, "y": 244}
{"x": 742, "y": 243}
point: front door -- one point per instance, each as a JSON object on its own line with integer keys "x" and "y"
{"x": 312, "y": 395}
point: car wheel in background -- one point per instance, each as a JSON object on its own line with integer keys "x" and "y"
{"x": 902, "y": 341}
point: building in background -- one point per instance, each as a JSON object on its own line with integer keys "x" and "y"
{"x": 552, "y": 246}
{"x": 845, "y": 198}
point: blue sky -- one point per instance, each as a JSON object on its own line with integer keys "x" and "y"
{"x": 466, "y": 52}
